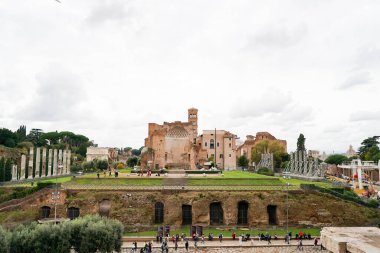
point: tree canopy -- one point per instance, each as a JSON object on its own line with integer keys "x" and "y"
{"x": 336, "y": 159}
{"x": 243, "y": 161}
{"x": 270, "y": 146}
{"x": 369, "y": 149}
{"x": 301, "y": 143}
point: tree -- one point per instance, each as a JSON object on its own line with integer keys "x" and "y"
{"x": 243, "y": 161}
{"x": 7, "y": 138}
{"x": 2, "y": 171}
{"x": 136, "y": 152}
{"x": 270, "y": 146}
{"x": 21, "y": 133}
{"x": 102, "y": 164}
{"x": 301, "y": 143}
{"x": 34, "y": 136}
{"x": 336, "y": 159}
{"x": 369, "y": 150}
{"x": 8, "y": 170}
{"x": 132, "y": 161}
{"x": 127, "y": 149}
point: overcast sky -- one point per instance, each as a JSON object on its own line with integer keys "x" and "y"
{"x": 105, "y": 68}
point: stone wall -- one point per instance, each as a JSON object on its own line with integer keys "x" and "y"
{"x": 136, "y": 209}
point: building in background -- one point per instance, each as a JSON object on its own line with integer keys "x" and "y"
{"x": 350, "y": 152}
{"x": 99, "y": 153}
{"x": 177, "y": 145}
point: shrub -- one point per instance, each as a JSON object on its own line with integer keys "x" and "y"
{"x": 120, "y": 166}
{"x": 4, "y": 241}
{"x": 102, "y": 164}
{"x": 265, "y": 171}
{"x": 88, "y": 234}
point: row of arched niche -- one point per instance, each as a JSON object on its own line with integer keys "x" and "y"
{"x": 72, "y": 212}
{"x": 216, "y": 213}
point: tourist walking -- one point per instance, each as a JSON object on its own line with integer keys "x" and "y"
{"x": 299, "y": 246}
{"x": 241, "y": 240}
{"x": 269, "y": 239}
{"x": 233, "y": 236}
{"x": 176, "y": 245}
{"x": 187, "y": 244}
{"x": 220, "y": 237}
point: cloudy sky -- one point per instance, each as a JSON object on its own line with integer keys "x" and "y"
{"x": 105, "y": 68}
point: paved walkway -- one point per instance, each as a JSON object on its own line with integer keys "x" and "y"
{"x": 233, "y": 247}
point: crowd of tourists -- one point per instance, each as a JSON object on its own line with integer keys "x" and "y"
{"x": 196, "y": 239}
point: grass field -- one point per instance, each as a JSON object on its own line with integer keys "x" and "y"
{"x": 228, "y": 232}
{"x": 225, "y": 181}
{"x": 117, "y": 181}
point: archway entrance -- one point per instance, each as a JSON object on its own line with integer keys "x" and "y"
{"x": 72, "y": 213}
{"x": 242, "y": 213}
{"x": 158, "y": 213}
{"x": 216, "y": 214}
{"x": 45, "y": 212}
{"x": 272, "y": 214}
{"x": 187, "y": 217}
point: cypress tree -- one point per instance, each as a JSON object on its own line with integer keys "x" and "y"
{"x": 8, "y": 170}
{"x": 2, "y": 174}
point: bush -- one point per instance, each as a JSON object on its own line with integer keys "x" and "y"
{"x": 88, "y": 234}
{"x": 89, "y": 166}
{"x": 265, "y": 171}
{"x": 102, "y": 164}
{"x": 120, "y": 166}
{"x": 4, "y": 241}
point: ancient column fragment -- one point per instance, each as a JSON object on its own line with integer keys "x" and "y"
{"x": 14, "y": 172}
{"x": 23, "y": 165}
{"x": 64, "y": 162}
{"x": 60, "y": 163}
{"x": 30, "y": 164}
{"x": 50, "y": 163}
{"x": 55, "y": 162}
{"x": 38, "y": 163}
{"x": 43, "y": 167}
{"x": 68, "y": 162}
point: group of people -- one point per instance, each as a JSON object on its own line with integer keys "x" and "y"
{"x": 109, "y": 173}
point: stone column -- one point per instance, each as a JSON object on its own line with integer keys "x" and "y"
{"x": 30, "y": 164}
{"x": 68, "y": 162}
{"x": 38, "y": 163}
{"x": 14, "y": 172}
{"x": 23, "y": 165}
{"x": 55, "y": 162}
{"x": 64, "y": 162}
{"x": 50, "y": 163}
{"x": 60, "y": 163}
{"x": 43, "y": 169}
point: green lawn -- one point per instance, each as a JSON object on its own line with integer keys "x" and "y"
{"x": 243, "y": 174}
{"x": 226, "y": 181}
{"x": 293, "y": 181}
{"x": 57, "y": 180}
{"x": 228, "y": 232}
{"x": 117, "y": 181}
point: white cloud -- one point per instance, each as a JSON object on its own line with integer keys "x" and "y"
{"x": 122, "y": 64}
{"x": 358, "y": 79}
{"x": 365, "y": 115}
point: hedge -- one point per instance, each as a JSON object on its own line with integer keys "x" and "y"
{"x": 88, "y": 234}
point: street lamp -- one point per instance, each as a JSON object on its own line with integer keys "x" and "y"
{"x": 287, "y": 208}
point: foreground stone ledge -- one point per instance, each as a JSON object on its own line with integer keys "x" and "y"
{"x": 351, "y": 239}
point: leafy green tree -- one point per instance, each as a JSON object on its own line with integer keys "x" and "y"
{"x": 2, "y": 169}
{"x": 336, "y": 159}
{"x": 301, "y": 143}
{"x": 82, "y": 149}
{"x": 243, "y": 161}
{"x": 369, "y": 149}
{"x": 132, "y": 161}
{"x": 52, "y": 137}
{"x": 127, "y": 149}
{"x": 270, "y": 146}
{"x": 102, "y": 164}
{"x": 136, "y": 152}
{"x": 7, "y": 138}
